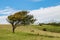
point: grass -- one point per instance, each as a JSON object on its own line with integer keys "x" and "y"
{"x": 50, "y": 28}
{"x": 24, "y": 33}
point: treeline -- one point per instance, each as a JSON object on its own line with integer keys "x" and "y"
{"x": 52, "y": 23}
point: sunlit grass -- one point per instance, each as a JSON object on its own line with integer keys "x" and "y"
{"x": 24, "y": 33}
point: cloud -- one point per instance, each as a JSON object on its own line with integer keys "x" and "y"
{"x": 45, "y": 15}
{"x": 4, "y": 13}
{"x": 3, "y": 20}
{"x": 7, "y": 11}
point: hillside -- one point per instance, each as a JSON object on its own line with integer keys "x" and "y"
{"x": 29, "y": 32}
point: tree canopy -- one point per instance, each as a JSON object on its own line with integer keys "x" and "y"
{"x": 20, "y": 18}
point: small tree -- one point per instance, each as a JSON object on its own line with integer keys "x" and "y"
{"x": 19, "y": 18}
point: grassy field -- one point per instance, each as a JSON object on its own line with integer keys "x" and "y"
{"x": 25, "y": 32}
{"x": 50, "y": 28}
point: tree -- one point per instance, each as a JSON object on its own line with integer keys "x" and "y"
{"x": 20, "y": 18}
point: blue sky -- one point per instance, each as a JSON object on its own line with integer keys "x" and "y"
{"x": 43, "y": 10}
{"x": 28, "y": 4}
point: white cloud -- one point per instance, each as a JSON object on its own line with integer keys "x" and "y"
{"x": 4, "y": 13}
{"x": 7, "y": 11}
{"x": 3, "y": 20}
{"x": 47, "y": 14}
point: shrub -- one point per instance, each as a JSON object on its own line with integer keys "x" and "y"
{"x": 44, "y": 29}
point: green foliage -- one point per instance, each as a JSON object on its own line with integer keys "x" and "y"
{"x": 21, "y": 18}
{"x": 28, "y": 20}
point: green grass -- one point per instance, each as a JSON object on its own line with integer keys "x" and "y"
{"x": 49, "y": 28}
{"x": 24, "y": 33}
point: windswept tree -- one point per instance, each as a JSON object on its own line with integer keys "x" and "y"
{"x": 20, "y": 18}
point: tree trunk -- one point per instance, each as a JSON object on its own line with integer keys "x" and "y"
{"x": 13, "y": 28}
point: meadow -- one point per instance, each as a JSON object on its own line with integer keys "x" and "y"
{"x": 30, "y": 32}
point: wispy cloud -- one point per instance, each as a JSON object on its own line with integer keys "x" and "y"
{"x": 4, "y": 13}
{"x": 7, "y": 11}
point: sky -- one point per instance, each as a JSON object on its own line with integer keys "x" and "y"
{"x": 43, "y": 10}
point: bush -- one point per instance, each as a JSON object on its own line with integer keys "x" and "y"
{"x": 44, "y": 29}
{"x": 41, "y": 24}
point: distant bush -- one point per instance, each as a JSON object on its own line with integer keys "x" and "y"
{"x": 41, "y": 24}
{"x": 44, "y": 29}
{"x": 54, "y": 24}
